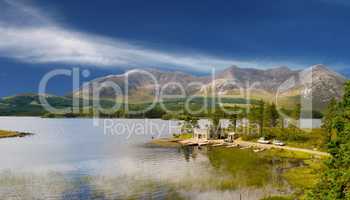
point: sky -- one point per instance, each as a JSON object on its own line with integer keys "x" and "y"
{"x": 112, "y": 36}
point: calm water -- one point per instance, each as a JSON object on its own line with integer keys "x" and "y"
{"x": 73, "y": 159}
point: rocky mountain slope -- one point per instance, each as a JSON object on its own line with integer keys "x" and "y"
{"x": 279, "y": 84}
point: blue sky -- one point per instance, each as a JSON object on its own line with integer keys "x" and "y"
{"x": 111, "y": 36}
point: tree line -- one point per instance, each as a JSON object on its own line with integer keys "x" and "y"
{"x": 335, "y": 181}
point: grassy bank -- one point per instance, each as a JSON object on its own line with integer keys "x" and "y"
{"x": 278, "y": 198}
{"x": 170, "y": 142}
{"x": 183, "y": 136}
{"x": 165, "y": 142}
{"x": 238, "y": 167}
{"x": 294, "y": 137}
{"x": 9, "y": 134}
{"x": 301, "y": 178}
{"x": 235, "y": 168}
{"x": 304, "y": 178}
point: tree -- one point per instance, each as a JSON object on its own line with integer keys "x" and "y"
{"x": 260, "y": 116}
{"x": 234, "y": 117}
{"x": 242, "y": 116}
{"x": 274, "y": 115}
{"x": 335, "y": 182}
{"x": 271, "y": 115}
{"x": 327, "y": 121}
{"x": 194, "y": 122}
{"x": 215, "y": 128}
{"x": 215, "y": 116}
{"x": 253, "y": 118}
{"x": 296, "y": 113}
{"x": 256, "y": 116}
{"x": 282, "y": 121}
{"x": 189, "y": 124}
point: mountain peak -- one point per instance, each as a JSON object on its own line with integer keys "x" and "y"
{"x": 321, "y": 70}
{"x": 233, "y": 67}
{"x": 320, "y": 67}
{"x": 281, "y": 68}
{"x": 266, "y": 82}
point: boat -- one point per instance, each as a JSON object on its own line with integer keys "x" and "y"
{"x": 232, "y": 146}
{"x": 203, "y": 143}
{"x": 217, "y": 145}
{"x": 190, "y": 144}
{"x": 258, "y": 150}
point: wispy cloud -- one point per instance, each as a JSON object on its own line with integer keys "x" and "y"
{"x": 32, "y": 37}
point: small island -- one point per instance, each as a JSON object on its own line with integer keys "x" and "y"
{"x": 11, "y": 134}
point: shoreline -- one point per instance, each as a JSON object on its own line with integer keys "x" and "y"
{"x": 239, "y": 143}
{"x": 287, "y": 148}
{"x": 13, "y": 134}
{"x": 165, "y": 142}
{"x": 294, "y": 176}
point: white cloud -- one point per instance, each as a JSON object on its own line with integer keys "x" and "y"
{"x": 38, "y": 39}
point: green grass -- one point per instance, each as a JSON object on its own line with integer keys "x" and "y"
{"x": 246, "y": 167}
{"x": 278, "y": 198}
{"x": 29, "y": 105}
{"x": 306, "y": 176}
{"x": 183, "y": 136}
{"x": 294, "y": 137}
{"x": 302, "y": 177}
{"x": 281, "y": 153}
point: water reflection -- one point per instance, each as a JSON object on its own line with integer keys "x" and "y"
{"x": 83, "y": 163}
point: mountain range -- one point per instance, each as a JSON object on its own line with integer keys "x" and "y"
{"x": 314, "y": 87}
{"x": 317, "y": 84}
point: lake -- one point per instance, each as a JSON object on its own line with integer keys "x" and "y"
{"x": 75, "y": 159}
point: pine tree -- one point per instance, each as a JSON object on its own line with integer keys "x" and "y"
{"x": 215, "y": 128}
{"x": 252, "y": 115}
{"x": 274, "y": 115}
{"x": 296, "y": 114}
{"x": 260, "y": 116}
{"x": 335, "y": 182}
{"x": 328, "y": 119}
{"x": 271, "y": 115}
{"x": 234, "y": 118}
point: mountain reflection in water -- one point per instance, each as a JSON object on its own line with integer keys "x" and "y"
{"x": 71, "y": 159}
